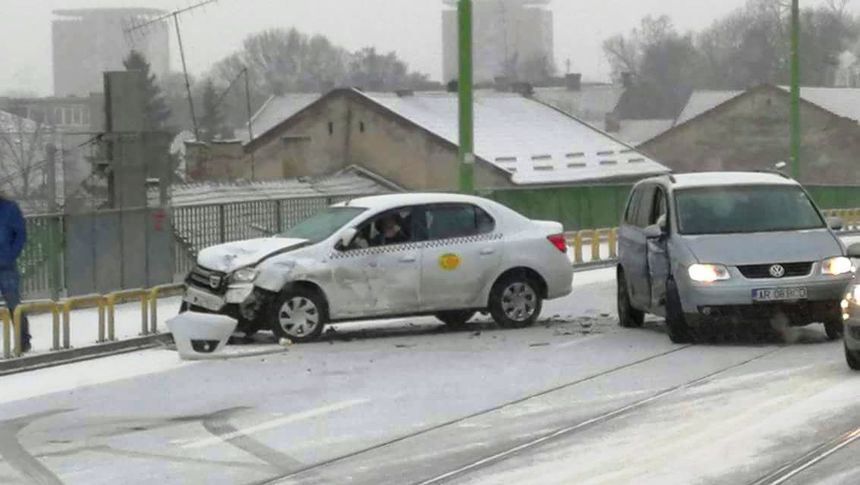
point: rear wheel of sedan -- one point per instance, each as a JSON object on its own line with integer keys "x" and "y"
{"x": 628, "y": 317}
{"x": 299, "y": 315}
{"x": 455, "y": 319}
{"x": 515, "y": 301}
{"x": 676, "y": 321}
{"x": 834, "y": 328}
{"x": 853, "y": 358}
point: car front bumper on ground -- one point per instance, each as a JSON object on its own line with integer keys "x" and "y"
{"x": 734, "y": 299}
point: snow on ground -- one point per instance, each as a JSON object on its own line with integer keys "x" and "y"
{"x": 88, "y": 373}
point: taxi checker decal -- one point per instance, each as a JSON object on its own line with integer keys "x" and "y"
{"x": 353, "y": 253}
{"x": 449, "y": 261}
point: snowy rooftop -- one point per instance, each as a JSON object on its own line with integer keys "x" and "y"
{"x": 275, "y": 110}
{"x": 592, "y": 102}
{"x": 702, "y": 101}
{"x": 844, "y": 102}
{"x": 13, "y": 123}
{"x": 533, "y": 142}
{"x": 636, "y": 132}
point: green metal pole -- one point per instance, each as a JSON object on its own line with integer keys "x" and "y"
{"x": 795, "y": 89}
{"x": 467, "y": 140}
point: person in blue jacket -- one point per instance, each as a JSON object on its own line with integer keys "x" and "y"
{"x": 13, "y": 234}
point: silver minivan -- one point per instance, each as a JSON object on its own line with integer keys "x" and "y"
{"x": 745, "y": 248}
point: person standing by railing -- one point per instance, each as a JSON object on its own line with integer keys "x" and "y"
{"x": 13, "y": 235}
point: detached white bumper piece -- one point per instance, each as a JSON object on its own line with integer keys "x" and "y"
{"x": 200, "y": 335}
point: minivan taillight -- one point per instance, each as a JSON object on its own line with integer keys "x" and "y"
{"x": 558, "y": 241}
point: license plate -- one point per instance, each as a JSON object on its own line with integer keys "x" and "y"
{"x": 204, "y": 300}
{"x": 780, "y": 294}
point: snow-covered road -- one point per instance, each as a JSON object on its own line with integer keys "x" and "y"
{"x": 575, "y": 399}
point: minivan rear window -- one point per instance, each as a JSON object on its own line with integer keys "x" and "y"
{"x": 745, "y": 209}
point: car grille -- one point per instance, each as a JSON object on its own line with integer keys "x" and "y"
{"x": 201, "y": 277}
{"x": 762, "y": 271}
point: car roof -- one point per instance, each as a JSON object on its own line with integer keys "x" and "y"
{"x": 723, "y": 179}
{"x": 391, "y": 201}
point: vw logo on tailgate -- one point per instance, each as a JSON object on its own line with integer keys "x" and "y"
{"x": 777, "y": 271}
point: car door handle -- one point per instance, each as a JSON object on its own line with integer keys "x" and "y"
{"x": 487, "y": 251}
{"x": 407, "y": 259}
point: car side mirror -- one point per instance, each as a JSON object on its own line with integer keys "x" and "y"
{"x": 654, "y": 231}
{"x": 347, "y": 236}
{"x": 835, "y": 223}
{"x": 854, "y": 251}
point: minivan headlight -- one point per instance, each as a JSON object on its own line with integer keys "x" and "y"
{"x": 708, "y": 273}
{"x": 244, "y": 275}
{"x": 839, "y": 265}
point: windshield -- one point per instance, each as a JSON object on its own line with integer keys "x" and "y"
{"x": 322, "y": 225}
{"x": 739, "y": 209}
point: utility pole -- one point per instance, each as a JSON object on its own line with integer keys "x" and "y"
{"x": 467, "y": 140}
{"x": 795, "y": 135}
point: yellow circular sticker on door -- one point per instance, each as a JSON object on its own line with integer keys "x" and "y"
{"x": 449, "y": 261}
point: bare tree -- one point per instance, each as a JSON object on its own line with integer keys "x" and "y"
{"x": 22, "y": 154}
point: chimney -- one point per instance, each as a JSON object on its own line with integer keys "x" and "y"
{"x": 612, "y": 123}
{"x": 627, "y": 80}
{"x": 573, "y": 82}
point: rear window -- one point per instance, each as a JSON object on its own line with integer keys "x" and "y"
{"x": 745, "y": 209}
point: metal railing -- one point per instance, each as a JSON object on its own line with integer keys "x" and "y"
{"x": 62, "y": 310}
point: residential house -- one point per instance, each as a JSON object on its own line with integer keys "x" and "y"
{"x": 411, "y": 139}
{"x": 750, "y": 131}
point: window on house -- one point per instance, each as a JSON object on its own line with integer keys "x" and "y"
{"x": 361, "y": 127}
{"x": 330, "y": 128}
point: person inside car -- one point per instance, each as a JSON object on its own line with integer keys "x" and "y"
{"x": 389, "y": 231}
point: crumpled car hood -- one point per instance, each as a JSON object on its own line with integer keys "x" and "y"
{"x": 235, "y": 255}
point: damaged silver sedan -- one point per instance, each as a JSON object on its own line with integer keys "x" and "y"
{"x": 450, "y": 256}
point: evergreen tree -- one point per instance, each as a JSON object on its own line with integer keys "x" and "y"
{"x": 156, "y": 111}
{"x": 211, "y": 119}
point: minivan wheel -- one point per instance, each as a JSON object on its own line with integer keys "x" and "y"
{"x": 676, "y": 321}
{"x": 628, "y": 317}
{"x": 834, "y": 328}
{"x": 455, "y": 319}
{"x": 515, "y": 301}
{"x": 853, "y": 358}
{"x": 299, "y": 315}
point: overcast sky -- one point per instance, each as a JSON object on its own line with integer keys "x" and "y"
{"x": 410, "y": 27}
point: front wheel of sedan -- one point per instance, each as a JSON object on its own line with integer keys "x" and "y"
{"x": 853, "y": 358}
{"x": 298, "y": 315}
{"x": 515, "y": 301}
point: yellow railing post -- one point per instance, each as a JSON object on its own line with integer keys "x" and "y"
{"x": 577, "y": 247}
{"x": 25, "y": 307}
{"x": 113, "y": 298}
{"x": 595, "y": 245}
{"x": 154, "y": 294}
{"x": 7, "y": 333}
{"x": 79, "y": 302}
{"x": 613, "y": 243}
